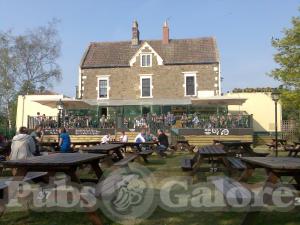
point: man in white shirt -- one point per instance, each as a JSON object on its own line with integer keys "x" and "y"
{"x": 123, "y": 137}
{"x": 105, "y": 139}
{"x": 140, "y": 138}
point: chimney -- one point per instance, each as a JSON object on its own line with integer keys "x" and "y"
{"x": 165, "y": 39}
{"x": 135, "y": 33}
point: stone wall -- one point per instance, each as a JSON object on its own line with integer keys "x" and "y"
{"x": 167, "y": 80}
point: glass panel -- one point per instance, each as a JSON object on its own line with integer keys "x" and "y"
{"x": 148, "y": 60}
{"x": 146, "y": 87}
{"x": 102, "y": 88}
{"x": 190, "y": 85}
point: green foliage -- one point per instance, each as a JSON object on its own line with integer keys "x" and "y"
{"x": 288, "y": 72}
{"x": 27, "y": 66}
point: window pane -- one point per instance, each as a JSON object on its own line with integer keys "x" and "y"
{"x": 102, "y": 88}
{"x": 148, "y": 60}
{"x": 146, "y": 87}
{"x": 190, "y": 85}
{"x": 143, "y": 60}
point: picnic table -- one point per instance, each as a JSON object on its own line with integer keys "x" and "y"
{"x": 280, "y": 141}
{"x": 132, "y": 143}
{"x": 213, "y": 153}
{"x": 276, "y": 167}
{"x": 58, "y": 162}
{"x": 238, "y": 148}
{"x": 107, "y": 149}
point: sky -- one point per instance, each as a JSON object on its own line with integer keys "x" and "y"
{"x": 243, "y": 29}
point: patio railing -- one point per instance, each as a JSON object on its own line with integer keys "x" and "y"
{"x": 153, "y": 122}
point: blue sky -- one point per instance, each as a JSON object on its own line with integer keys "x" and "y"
{"x": 243, "y": 29}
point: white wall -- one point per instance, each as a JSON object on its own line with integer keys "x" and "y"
{"x": 28, "y": 107}
{"x": 262, "y": 107}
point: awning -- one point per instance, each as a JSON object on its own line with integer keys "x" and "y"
{"x": 68, "y": 103}
{"x": 218, "y": 100}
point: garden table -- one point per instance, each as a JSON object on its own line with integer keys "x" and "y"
{"x": 107, "y": 149}
{"x": 276, "y": 167}
{"x": 59, "y": 162}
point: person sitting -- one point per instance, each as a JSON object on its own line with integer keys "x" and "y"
{"x": 105, "y": 139}
{"x": 37, "y": 136}
{"x": 140, "y": 139}
{"x": 64, "y": 141}
{"x": 22, "y": 146}
{"x": 149, "y": 137}
{"x": 123, "y": 138}
{"x": 163, "y": 143}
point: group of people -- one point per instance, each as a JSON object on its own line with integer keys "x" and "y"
{"x": 143, "y": 137}
{"x": 214, "y": 121}
{"x": 25, "y": 145}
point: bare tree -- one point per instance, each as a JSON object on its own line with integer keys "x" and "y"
{"x": 37, "y": 52}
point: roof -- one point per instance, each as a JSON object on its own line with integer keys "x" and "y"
{"x": 178, "y": 51}
{"x": 218, "y": 100}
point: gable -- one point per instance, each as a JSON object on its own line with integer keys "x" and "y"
{"x": 146, "y": 48}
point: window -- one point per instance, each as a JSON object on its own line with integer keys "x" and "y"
{"x": 146, "y": 60}
{"x": 190, "y": 84}
{"x": 146, "y": 86}
{"x": 103, "y": 87}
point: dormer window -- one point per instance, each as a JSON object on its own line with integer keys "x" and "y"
{"x": 146, "y": 60}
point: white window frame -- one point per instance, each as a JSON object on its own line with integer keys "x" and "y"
{"x": 149, "y": 76}
{"x": 195, "y": 83}
{"x": 104, "y": 77}
{"x": 141, "y": 57}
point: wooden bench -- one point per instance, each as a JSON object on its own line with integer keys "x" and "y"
{"x": 125, "y": 161}
{"x": 188, "y": 163}
{"x": 236, "y": 163}
{"x": 5, "y": 182}
{"x": 145, "y": 154}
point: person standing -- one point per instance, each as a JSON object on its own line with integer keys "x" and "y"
{"x": 163, "y": 143}
{"x": 37, "y": 136}
{"x": 22, "y": 146}
{"x": 64, "y": 141}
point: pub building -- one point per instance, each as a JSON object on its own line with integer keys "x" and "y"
{"x": 172, "y": 84}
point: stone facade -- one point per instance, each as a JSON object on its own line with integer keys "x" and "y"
{"x": 167, "y": 80}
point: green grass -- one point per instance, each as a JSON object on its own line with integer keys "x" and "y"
{"x": 161, "y": 169}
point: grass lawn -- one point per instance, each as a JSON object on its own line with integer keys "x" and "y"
{"x": 161, "y": 168}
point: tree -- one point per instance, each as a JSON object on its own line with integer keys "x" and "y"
{"x": 8, "y": 65}
{"x": 288, "y": 72}
{"x": 28, "y": 64}
{"x": 37, "y": 52}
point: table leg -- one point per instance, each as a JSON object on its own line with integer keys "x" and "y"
{"x": 119, "y": 153}
{"x": 97, "y": 169}
{"x": 297, "y": 179}
{"x": 93, "y": 217}
{"x": 247, "y": 173}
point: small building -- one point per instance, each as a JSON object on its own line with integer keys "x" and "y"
{"x": 261, "y": 106}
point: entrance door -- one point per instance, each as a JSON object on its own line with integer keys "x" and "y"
{"x": 103, "y": 112}
{"x": 145, "y": 110}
